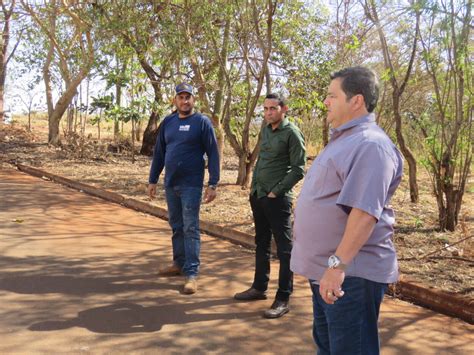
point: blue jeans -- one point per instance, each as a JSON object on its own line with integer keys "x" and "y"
{"x": 183, "y": 212}
{"x": 349, "y": 326}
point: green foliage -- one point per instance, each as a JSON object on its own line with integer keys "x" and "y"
{"x": 124, "y": 114}
{"x": 101, "y": 102}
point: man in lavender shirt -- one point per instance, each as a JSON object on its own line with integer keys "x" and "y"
{"x": 343, "y": 222}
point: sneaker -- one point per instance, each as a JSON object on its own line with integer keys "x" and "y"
{"x": 251, "y": 295}
{"x": 277, "y": 309}
{"x": 173, "y": 270}
{"x": 190, "y": 285}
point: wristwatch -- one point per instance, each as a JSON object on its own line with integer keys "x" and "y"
{"x": 335, "y": 263}
{"x": 212, "y": 187}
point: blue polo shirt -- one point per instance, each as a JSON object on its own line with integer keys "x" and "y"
{"x": 180, "y": 148}
{"x": 359, "y": 168}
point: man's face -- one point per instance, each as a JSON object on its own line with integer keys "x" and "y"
{"x": 339, "y": 107}
{"x": 184, "y": 103}
{"x": 273, "y": 112}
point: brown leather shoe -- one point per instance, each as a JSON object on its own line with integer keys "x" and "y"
{"x": 190, "y": 285}
{"x": 251, "y": 295}
{"x": 172, "y": 270}
{"x": 277, "y": 309}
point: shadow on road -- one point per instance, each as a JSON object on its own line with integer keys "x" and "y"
{"x": 133, "y": 318}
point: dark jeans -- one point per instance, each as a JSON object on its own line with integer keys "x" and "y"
{"x": 272, "y": 216}
{"x": 183, "y": 211}
{"x": 349, "y": 326}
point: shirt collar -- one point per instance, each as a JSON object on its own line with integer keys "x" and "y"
{"x": 282, "y": 124}
{"x": 369, "y": 118}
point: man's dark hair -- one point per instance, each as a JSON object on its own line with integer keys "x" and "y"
{"x": 281, "y": 100}
{"x": 359, "y": 81}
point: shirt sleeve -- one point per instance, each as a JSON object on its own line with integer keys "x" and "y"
{"x": 297, "y": 153}
{"x": 210, "y": 144}
{"x": 367, "y": 179}
{"x": 159, "y": 152}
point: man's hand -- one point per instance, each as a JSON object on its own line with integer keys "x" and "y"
{"x": 209, "y": 195}
{"x": 151, "y": 190}
{"x": 271, "y": 195}
{"x": 330, "y": 285}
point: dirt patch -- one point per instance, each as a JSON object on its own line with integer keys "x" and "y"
{"x": 424, "y": 252}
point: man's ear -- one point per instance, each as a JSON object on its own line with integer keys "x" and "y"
{"x": 359, "y": 101}
{"x": 284, "y": 108}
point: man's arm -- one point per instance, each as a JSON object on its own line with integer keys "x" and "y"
{"x": 297, "y": 153}
{"x": 358, "y": 229}
{"x": 158, "y": 161}
{"x": 212, "y": 152}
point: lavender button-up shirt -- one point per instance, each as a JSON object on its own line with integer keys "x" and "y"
{"x": 360, "y": 168}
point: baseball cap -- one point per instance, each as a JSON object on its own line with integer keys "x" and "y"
{"x": 184, "y": 87}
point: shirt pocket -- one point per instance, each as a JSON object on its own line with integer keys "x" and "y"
{"x": 279, "y": 145}
{"x": 315, "y": 180}
{"x": 274, "y": 149}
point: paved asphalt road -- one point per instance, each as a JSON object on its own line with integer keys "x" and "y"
{"x": 78, "y": 275}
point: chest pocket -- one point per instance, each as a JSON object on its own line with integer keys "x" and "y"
{"x": 316, "y": 179}
{"x": 277, "y": 147}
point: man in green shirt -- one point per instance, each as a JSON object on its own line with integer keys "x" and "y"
{"x": 279, "y": 167}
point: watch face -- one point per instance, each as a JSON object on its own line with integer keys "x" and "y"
{"x": 333, "y": 261}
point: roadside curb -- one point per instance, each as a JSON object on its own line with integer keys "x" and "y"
{"x": 440, "y": 301}
{"x": 448, "y": 303}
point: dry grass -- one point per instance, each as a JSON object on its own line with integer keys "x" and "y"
{"x": 450, "y": 269}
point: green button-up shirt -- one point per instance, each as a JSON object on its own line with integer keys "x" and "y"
{"x": 281, "y": 160}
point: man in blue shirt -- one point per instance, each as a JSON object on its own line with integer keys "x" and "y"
{"x": 183, "y": 139}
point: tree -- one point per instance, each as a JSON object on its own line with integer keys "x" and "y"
{"x": 205, "y": 23}
{"x": 27, "y": 98}
{"x": 68, "y": 32}
{"x": 305, "y": 60}
{"x": 254, "y": 33}
{"x": 6, "y": 15}
{"x": 447, "y": 123}
{"x": 398, "y": 74}
{"x": 141, "y": 24}
{"x": 101, "y": 104}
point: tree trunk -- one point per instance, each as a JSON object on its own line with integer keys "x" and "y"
{"x": 448, "y": 208}
{"x": 449, "y": 194}
{"x": 118, "y": 102}
{"x": 98, "y": 124}
{"x": 451, "y": 207}
{"x": 133, "y": 141}
{"x": 61, "y": 107}
{"x": 29, "y": 117}
{"x": 220, "y": 139}
{"x": 53, "y": 130}
{"x": 138, "y": 132}
{"x": 83, "y": 127}
{"x": 245, "y": 167}
{"x": 149, "y": 136}
{"x": 219, "y": 98}
{"x": 404, "y": 148}
{"x": 1, "y": 100}
{"x": 76, "y": 115}
{"x": 325, "y": 131}
{"x": 70, "y": 119}
{"x": 4, "y": 58}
